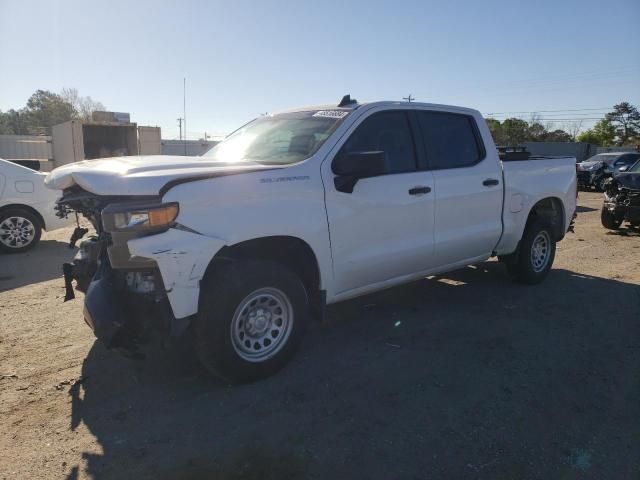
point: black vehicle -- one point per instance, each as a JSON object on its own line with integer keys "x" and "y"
{"x": 622, "y": 199}
{"x": 595, "y": 171}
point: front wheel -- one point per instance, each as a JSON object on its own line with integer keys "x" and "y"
{"x": 609, "y": 220}
{"x": 535, "y": 256}
{"x": 20, "y": 230}
{"x": 251, "y": 319}
{"x": 602, "y": 184}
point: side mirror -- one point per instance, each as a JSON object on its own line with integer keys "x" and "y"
{"x": 624, "y": 168}
{"x": 350, "y": 167}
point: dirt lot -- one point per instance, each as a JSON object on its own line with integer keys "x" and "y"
{"x": 460, "y": 376}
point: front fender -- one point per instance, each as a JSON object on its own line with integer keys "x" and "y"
{"x": 182, "y": 259}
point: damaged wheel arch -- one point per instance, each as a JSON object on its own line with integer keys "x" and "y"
{"x": 288, "y": 251}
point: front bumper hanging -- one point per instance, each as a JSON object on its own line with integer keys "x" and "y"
{"x": 123, "y": 308}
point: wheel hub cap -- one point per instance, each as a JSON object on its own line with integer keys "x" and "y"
{"x": 16, "y": 232}
{"x": 261, "y": 324}
{"x": 540, "y": 251}
{"x": 258, "y": 322}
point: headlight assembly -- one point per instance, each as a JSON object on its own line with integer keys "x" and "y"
{"x": 139, "y": 217}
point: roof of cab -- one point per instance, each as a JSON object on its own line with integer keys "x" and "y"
{"x": 353, "y": 106}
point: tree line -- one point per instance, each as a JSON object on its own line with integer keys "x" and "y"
{"x": 44, "y": 109}
{"x": 619, "y": 127}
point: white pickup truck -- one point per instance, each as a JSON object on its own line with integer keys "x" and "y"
{"x": 297, "y": 210}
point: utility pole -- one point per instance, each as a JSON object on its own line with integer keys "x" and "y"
{"x": 180, "y": 126}
{"x": 184, "y": 111}
{"x": 409, "y": 98}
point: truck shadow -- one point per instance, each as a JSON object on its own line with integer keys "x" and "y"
{"x": 464, "y": 374}
{"x": 42, "y": 263}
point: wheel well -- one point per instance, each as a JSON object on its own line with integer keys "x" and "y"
{"x": 292, "y": 252}
{"x": 550, "y": 210}
{"x": 28, "y": 209}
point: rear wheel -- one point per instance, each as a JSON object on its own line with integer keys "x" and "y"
{"x": 20, "y": 230}
{"x": 531, "y": 264}
{"x": 609, "y": 220}
{"x": 251, "y": 320}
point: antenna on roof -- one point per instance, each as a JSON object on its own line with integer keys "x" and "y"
{"x": 346, "y": 100}
{"x": 409, "y": 98}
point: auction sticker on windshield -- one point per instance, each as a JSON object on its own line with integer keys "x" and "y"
{"x": 331, "y": 113}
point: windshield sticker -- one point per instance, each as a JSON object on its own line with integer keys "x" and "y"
{"x": 331, "y": 114}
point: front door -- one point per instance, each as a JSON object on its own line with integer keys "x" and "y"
{"x": 384, "y": 228}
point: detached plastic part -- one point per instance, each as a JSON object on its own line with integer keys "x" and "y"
{"x": 67, "y": 271}
{"x": 103, "y": 306}
{"x": 78, "y": 233}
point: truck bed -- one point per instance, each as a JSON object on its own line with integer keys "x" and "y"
{"x": 536, "y": 177}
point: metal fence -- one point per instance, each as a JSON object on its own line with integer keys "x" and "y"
{"x": 191, "y": 148}
{"x": 616, "y": 149}
{"x": 29, "y": 150}
{"x": 580, "y": 150}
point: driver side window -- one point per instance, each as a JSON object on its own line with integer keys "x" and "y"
{"x": 390, "y": 133}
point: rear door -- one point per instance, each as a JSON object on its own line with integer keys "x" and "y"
{"x": 384, "y": 228}
{"x": 468, "y": 187}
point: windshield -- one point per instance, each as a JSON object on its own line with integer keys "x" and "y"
{"x": 602, "y": 158}
{"x": 278, "y": 139}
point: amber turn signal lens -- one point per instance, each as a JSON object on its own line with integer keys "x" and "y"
{"x": 163, "y": 216}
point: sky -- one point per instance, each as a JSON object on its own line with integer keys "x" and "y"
{"x": 565, "y": 59}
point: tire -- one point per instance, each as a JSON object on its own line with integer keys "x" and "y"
{"x": 609, "y": 220}
{"x": 602, "y": 184}
{"x": 251, "y": 319}
{"x": 20, "y": 230}
{"x": 535, "y": 254}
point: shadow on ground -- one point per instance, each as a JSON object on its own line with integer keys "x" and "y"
{"x": 461, "y": 376}
{"x": 626, "y": 230}
{"x": 583, "y": 209}
{"x": 43, "y": 262}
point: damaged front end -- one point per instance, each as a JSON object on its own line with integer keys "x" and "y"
{"x": 591, "y": 176}
{"x": 125, "y": 299}
{"x": 622, "y": 198}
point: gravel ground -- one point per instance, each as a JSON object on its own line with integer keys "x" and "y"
{"x": 464, "y": 375}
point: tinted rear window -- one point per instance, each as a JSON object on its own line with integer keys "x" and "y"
{"x": 451, "y": 140}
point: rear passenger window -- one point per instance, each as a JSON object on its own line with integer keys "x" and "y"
{"x": 450, "y": 140}
{"x": 388, "y": 132}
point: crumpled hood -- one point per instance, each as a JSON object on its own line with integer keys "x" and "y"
{"x": 629, "y": 180}
{"x": 142, "y": 175}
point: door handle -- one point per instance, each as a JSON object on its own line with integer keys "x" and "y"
{"x": 490, "y": 182}
{"x": 419, "y": 190}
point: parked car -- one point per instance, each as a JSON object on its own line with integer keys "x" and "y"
{"x": 26, "y": 207}
{"x": 594, "y": 172}
{"x": 622, "y": 199}
{"x": 298, "y": 210}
